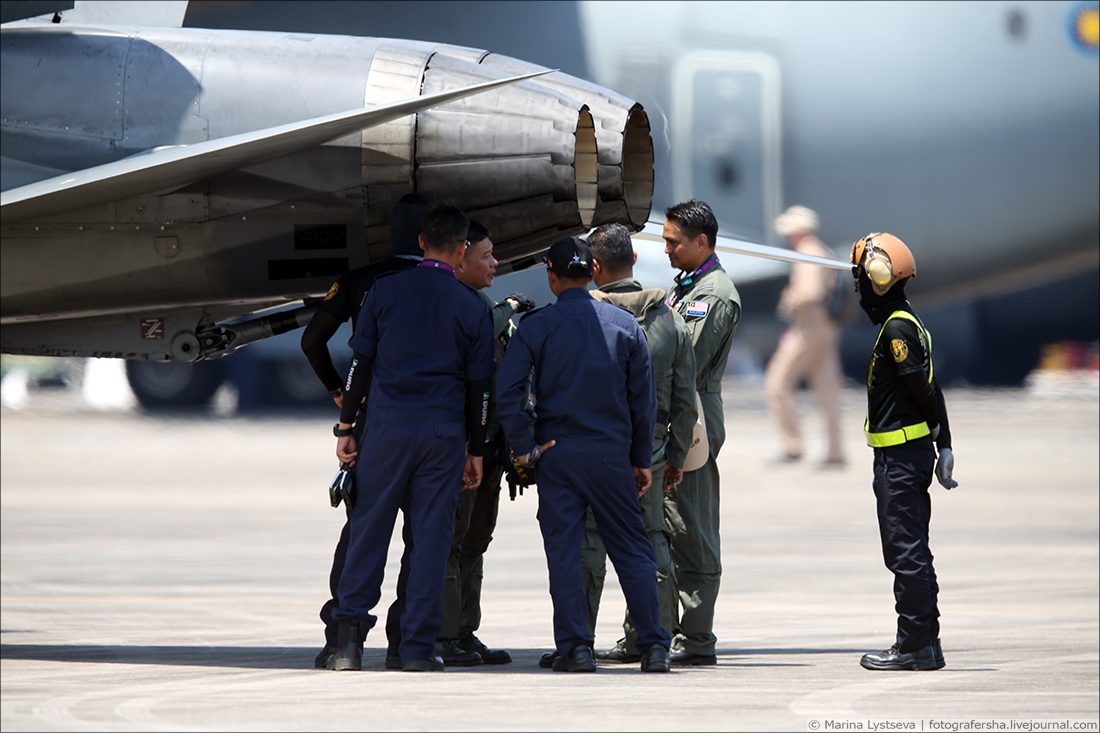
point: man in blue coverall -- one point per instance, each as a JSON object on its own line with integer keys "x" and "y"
{"x": 595, "y": 407}
{"x": 423, "y": 346}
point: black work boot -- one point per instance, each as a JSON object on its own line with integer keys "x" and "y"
{"x": 470, "y": 643}
{"x": 578, "y": 660}
{"x": 923, "y": 659}
{"x": 455, "y": 656}
{"x": 656, "y": 659}
{"x": 349, "y": 648}
{"x": 617, "y": 654}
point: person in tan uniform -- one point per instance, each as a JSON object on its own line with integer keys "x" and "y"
{"x": 809, "y": 348}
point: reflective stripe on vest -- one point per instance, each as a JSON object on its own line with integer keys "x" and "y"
{"x": 908, "y": 432}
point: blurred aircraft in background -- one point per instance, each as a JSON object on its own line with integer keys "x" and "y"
{"x": 969, "y": 129}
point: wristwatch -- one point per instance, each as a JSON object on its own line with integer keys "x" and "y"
{"x": 341, "y": 433}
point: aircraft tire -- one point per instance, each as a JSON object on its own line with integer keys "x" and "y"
{"x": 292, "y": 383}
{"x": 174, "y": 384}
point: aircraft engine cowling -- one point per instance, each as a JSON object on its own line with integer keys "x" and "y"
{"x": 523, "y": 161}
{"x": 624, "y": 144}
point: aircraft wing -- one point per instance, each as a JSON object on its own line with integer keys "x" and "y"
{"x": 653, "y": 230}
{"x": 170, "y": 167}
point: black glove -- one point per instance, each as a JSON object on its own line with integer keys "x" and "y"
{"x": 519, "y": 476}
{"x": 525, "y": 303}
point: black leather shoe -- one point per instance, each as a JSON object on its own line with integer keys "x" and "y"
{"x": 923, "y": 659}
{"x": 431, "y": 664}
{"x": 455, "y": 656}
{"x": 656, "y": 659}
{"x": 349, "y": 648}
{"x": 578, "y": 660}
{"x": 617, "y": 654}
{"x": 470, "y": 643}
{"x": 321, "y": 660}
{"x": 687, "y": 659}
{"x": 546, "y": 661}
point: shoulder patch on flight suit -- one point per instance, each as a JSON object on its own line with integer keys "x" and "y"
{"x": 332, "y": 291}
{"x": 705, "y": 288}
{"x": 899, "y": 349}
{"x": 696, "y": 309}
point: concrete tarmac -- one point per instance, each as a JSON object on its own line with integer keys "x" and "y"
{"x": 165, "y": 574}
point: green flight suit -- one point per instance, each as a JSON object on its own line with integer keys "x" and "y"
{"x": 477, "y": 509}
{"x": 673, "y": 357}
{"x": 711, "y": 308}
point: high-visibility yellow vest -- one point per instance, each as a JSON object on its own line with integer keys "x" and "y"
{"x": 908, "y": 432}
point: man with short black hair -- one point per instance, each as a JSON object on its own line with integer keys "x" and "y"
{"x": 423, "y": 347}
{"x": 592, "y": 446}
{"x": 674, "y": 374}
{"x": 706, "y": 298}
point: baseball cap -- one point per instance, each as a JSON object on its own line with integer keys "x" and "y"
{"x": 569, "y": 257}
{"x": 796, "y": 220}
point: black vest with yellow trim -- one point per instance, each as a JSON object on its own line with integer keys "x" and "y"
{"x": 892, "y": 416}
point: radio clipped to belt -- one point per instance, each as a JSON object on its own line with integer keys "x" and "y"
{"x": 342, "y": 487}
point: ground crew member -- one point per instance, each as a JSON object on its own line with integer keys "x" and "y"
{"x": 810, "y": 348}
{"x": 906, "y": 414}
{"x": 674, "y": 375}
{"x": 593, "y": 431}
{"x": 711, "y": 308}
{"x": 477, "y": 509}
{"x": 344, "y": 300}
{"x": 423, "y": 345}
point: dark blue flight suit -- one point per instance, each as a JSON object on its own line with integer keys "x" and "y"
{"x": 344, "y": 301}
{"x": 425, "y": 335}
{"x": 594, "y": 394}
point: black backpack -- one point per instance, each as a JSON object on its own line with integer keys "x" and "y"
{"x": 841, "y": 304}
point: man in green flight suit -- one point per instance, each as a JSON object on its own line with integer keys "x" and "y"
{"x": 706, "y": 298}
{"x": 674, "y": 374}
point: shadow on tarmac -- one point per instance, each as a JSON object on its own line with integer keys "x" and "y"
{"x": 253, "y": 657}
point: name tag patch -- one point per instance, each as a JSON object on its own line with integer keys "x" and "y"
{"x": 696, "y": 309}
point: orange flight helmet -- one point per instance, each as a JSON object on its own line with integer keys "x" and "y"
{"x": 885, "y": 258}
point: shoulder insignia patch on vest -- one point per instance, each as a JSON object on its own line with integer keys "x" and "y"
{"x": 899, "y": 349}
{"x": 696, "y": 309}
{"x": 332, "y": 291}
